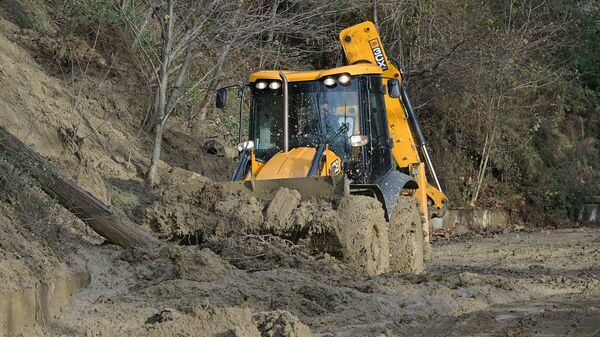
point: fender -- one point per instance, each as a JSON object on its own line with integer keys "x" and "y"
{"x": 386, "y": 190}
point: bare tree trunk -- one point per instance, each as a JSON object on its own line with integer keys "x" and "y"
{"x": 485, "y": 154}
{"x": 375, "y": 16}
{"x": 124, "y": 4}
{"x": 152, "y": 176}
{"x": 185, "y": 67}
{"x": 483, "y": 165}
{"x": 212, "y": 86}
{"x": 79, "y": 202}
{"x": 150, "y": 121}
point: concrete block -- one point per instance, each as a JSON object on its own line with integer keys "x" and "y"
{"x": 480, "y": 219}
{"x": 590, "y": 214}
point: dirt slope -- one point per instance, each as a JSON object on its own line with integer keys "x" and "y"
{"x": 66, "y": 126}
{"x": 84, "y": 114}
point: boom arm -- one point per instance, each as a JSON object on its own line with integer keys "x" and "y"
{"x": 362, "y": 44}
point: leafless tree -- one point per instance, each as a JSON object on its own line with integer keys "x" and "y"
{"x": 208, "y": 31}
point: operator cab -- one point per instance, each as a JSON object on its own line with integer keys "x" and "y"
{"x": 345, "y": 112}
{"x": 318, "y": 114}
{"x": 342, "y": 108}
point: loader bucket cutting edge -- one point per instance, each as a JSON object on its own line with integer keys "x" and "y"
{"x": 328, "y": 187}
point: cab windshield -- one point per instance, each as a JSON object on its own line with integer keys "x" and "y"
{"x": 317, "y": 114}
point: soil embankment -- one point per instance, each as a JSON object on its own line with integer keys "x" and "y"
{"x": 38, "y": 304}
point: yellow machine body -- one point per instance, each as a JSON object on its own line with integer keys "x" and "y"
{"x": 366, "y": 56}
{"x": 292, "y": 164}
{"x": 313, "y": 75}
{"x": 290, "y": 169}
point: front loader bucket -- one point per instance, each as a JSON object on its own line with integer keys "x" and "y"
{"x": 310, "y": 188}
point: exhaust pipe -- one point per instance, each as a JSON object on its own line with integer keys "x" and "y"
{"x": 284, "y": 80}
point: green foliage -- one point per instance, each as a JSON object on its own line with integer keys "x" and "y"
{"x": 586, "y": 58}
{"x": 29, "y": 14}
{"x": 73, "y": 13}
{"x": 40, "y": 20}
{"x": 526, "y": 71}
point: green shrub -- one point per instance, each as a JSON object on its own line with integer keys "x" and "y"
{"x": 74, "y": 13}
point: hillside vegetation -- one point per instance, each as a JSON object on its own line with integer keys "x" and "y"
{"x": 508, "y": 92}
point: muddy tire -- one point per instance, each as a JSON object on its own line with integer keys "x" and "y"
{"x": 427, "y": 253}
{"x": 363, "y": 234}
{"x": 406, "y": 241}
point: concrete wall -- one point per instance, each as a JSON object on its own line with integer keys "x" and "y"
{"x": 482, "y": 219}
{"x": 590, "y": 213}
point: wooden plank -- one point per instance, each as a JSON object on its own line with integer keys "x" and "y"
{"x": 81, "y": 203}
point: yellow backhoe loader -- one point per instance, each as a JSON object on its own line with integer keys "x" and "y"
{"x": 344, "y": 131}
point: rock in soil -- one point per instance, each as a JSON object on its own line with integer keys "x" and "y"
{"x": 280, "y": 324}
{"x": 281, "y": 207}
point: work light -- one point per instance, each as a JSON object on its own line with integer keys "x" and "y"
{"x": 261, "y": 85}
{"x": 344, "y": 79}
{"x": 275, "y": 85}
{"x": 329, "y": 81}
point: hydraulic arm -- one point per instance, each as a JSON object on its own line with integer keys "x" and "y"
{"x": 362, "y": 44}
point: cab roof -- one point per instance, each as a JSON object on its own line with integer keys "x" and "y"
{"x": 300, "y": 76}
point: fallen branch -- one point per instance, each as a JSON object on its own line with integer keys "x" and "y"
{"x": 79, "y": 202}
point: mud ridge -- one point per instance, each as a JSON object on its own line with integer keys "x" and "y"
{"x": 45, "y": 301}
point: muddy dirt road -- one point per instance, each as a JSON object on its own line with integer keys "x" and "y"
{"x": 521, "y": 284}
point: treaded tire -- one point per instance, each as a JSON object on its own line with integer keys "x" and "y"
{"x": 406, "y": 241}
{"x": 362, "y": 232}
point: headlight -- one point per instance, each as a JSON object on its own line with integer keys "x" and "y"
{"x": 344, "y": 79}
{"x": 275, "y": 85}
{"x": 329, "y": 81}
{"x": 261, "y": 85}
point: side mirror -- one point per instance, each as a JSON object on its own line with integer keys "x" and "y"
{"x": 221, "y": 98}
{"x": 393, "y": 88}
{"x": 247, "y": 145}
{"x": 359, "y": 140}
